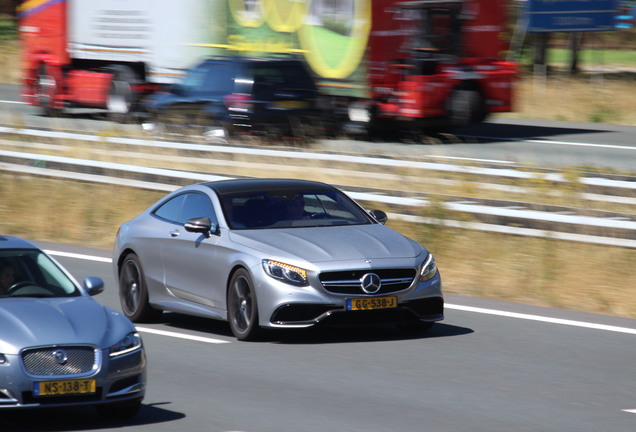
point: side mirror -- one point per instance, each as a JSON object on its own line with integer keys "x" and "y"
{"x": 379, "y": 215}
{"x": 201, "y": 225}
{"x": 93, "y": 285}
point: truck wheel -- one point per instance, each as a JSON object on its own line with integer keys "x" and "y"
{"x": 466, "y": 107}
{"x": 47, "y": 88}
{"x": 121, "y": 100}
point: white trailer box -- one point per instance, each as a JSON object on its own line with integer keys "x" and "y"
{"x": 165, "y": 35}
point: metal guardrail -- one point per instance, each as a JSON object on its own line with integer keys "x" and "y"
{"x": 607, "y": 228}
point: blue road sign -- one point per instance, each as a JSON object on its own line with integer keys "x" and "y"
{"x": 571, "y": 15}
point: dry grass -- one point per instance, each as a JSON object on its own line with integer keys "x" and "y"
{"x": 68, "y": 212}
{"x": 541, "y": 272}
{"x": 10, "y": 62}
{"x": 608, "y": 98}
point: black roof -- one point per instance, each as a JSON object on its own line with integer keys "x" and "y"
{"x": 11, "y": 242}
{"x": 255, "y": 185}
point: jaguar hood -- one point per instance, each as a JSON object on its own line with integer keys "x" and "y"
{"x": 27, "y": 322}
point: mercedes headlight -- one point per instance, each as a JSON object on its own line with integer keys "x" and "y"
{"x": 285, "y": 272}
{"x": 429, "y": 268}
{"x": 130, "y": 342}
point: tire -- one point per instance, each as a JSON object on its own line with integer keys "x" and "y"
{"x": 133, "y": 292}
{"x": 121, "y": 100}
{"x": 242, "y": 308}
{"x": 47, "y": 88}
{"x": 119, "y": 410}
{"x": 466, "y": 107}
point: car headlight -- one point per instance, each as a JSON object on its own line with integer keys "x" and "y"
{"x": 285, "y": 272}
{"x": 3, "y": 359}
{"x": 130, "y": 342}
{"x": 429, "y": 268}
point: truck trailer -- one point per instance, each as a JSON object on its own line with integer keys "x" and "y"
{"x": 378, "y": 64}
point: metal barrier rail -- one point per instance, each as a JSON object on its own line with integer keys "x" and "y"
{"x": 608, "y": 229}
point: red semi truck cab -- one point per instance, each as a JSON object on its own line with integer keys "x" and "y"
{"x": 439, "y": 62}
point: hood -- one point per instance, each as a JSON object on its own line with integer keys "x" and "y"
{"x": 29, "y": 322}
{"x": 331, "y": 243}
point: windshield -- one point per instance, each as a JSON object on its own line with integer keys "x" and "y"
{"x": 291, "y": 209}
{"x": 31, "y": 273}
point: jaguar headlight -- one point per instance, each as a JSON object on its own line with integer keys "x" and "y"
{"x": 130, "y": 342}
{"x": 285, "y": 272}
{"x": 429, "y": 268}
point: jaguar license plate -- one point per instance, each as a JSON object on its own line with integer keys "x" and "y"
{"x": 355, "y": 304}
{"x": 67, "y": 387}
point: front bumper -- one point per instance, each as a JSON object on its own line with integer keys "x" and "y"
{"x": 283, "y": 306}
{"x": 117, "y": 379}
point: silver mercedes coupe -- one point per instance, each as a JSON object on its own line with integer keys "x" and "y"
{"x": 58, "y": 346}
{"x": 273, "y": 253}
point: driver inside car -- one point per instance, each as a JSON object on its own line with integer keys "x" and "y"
{"x": 7, "y": 277}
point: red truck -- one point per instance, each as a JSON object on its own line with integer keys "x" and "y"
{"x": 413, "y": 64}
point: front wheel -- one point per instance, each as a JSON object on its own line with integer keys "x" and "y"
{"x": 466, "y": 108}
{"x": 241, "y": 307}
{"x": 47, "y": 89}
{"x": 133, "y": 292}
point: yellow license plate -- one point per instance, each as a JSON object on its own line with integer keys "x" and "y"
{"x": 68, "y": 387}
{"x": 371, "y": 303}
{"x": 290, "y": 104}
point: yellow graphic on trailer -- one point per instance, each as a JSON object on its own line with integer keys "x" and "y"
{"x": 247, "y": 13}
{"x": 331, "y": 34}
{"x": 285, "y": 16}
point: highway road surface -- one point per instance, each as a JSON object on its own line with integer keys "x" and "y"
{"x": 489, "y": 366}
{"x": 600, "y": 147}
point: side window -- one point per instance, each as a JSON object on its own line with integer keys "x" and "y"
{"x": 170, "y": 210}
{"x": 219, "y": 79}
{"x": 195, "y": 78}
{"x": 197, "y": 205}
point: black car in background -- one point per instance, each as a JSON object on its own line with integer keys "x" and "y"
{"x": 228, "y": 95}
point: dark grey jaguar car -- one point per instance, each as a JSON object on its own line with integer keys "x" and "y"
{"x": 273, "y": 253}
{"x": 58, "y": 346}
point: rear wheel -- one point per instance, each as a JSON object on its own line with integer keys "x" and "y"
{"x": 241, "y": 307}
{"x": 133, "y": 292}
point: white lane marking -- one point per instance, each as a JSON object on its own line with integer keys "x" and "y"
{"x": 553, "y": 142}
{"x": 549, "y": 320}
{"x": 181, "y": 335}
{"x": 631, "y": 411}
{"x": 12, "y": 102}
{"x": 575, "y": 144}
{"x": 79, "y": 256}
{"x": 516, "y": 315}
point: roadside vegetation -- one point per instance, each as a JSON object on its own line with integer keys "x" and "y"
{"x": 543, "y": 272}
